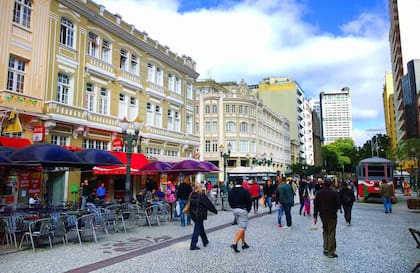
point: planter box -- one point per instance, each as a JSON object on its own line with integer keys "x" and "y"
{"x": 413, "y": 203}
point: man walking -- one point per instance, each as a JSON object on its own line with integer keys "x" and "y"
{"x": 326, "y": 204}
{"x": 285, "y": 199}
{"x": 386, "y": 193}
{"x": 86, "y": 192}
{"x": 240, "y": 201}
{"x": 183, "y": 193}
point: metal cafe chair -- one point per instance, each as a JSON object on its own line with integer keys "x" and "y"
{"x": 14, "y": 226}
{"x": 72, "y": 226}
{"x": 44, "y": 231}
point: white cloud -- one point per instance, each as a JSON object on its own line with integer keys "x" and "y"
{"x": 257, "y": 39}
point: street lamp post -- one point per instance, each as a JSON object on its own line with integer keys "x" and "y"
{"x": 225, "y": 157}
{"x": 130, "y": 141}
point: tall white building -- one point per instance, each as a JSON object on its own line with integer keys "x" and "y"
{"x": 308, "y": 129}
{"x": 336, "y": 115}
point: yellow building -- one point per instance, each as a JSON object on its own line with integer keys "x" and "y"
{"x": 389, "y": 110}
{"x": 85, "y": 70}
{"x": 285, "y": 97}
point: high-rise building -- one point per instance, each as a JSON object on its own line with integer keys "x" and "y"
{"x": 410, "y": 87}
{"x": 403, "y": 38}
{"x": 389, "y": 113}
{"x": 336, "y": 117}
{"x": 308, "y": 129}
{"x": 285, "y": 97}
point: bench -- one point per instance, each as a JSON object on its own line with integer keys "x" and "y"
{"x": 416, "y": 235}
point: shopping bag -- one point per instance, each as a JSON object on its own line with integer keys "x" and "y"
{"x": 177, "y": 209}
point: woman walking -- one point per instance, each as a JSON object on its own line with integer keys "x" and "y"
{"x": 346, "y": 200}
{"x": 199, "y": 205}
{"x": 255, "y": 192}
{"x": 269, "y": 190}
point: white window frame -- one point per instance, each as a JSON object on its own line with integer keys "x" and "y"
{"x": 22, "y": 13}
{"x": 134, "y": 64}
{"x": 230, "y": 127}
{"x": 60, "y": 140}
{"x": 132, "y": 112}
{"x": 189, "y": 91}
{"x": 189, "y": 123}
{"x": 90, "y": 97}
{"x": 93, "y": 45}
{"x": 243, "y": 127}
{"x": 177, "y": 121}
{"x": 16, "y": 75}
{"x": 63, "y": 88}
{"x": 106, "y": 51}
{"x": 122, "y": 106}
{"x": 67, "y": 30}
{"x": 170, "y": 119}
{"x": 123, "y": 59}
{"x": 178, "y": 83}
{"x": 171, "y": 82}
{"x": 103, "y": 101}
{"x": 149, "y": 114}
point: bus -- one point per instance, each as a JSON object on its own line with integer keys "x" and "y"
{"x": 370, "y": 172}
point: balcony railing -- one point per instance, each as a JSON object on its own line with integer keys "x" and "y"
{"x": 130, "y": 80}
{"x": 100, "y": 68}
{"x": 155, "y": 90}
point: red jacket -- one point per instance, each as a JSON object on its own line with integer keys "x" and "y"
{"x": 254, "y": 190}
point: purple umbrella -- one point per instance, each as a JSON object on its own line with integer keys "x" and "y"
{"x": 155, "y": 167}
{"x": 188, "y": 166}
{"x": 209, "y": 166}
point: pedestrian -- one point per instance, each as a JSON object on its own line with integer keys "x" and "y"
{"x": 35, "y": 201}
{"x": 326, "y": 204}
{"x": 268, "y": 191}
{"x": 183, "y": 192}
{"x": 307, "y": 203}
{"x": 240, "y": 202}
{"x": 255, "y": 191}
{"x": 302, "y": 187}
{"x": 170, "y": 197}
{"x": 386, "y": 193}
{"x": 285, "y": 199}
{"x": 100, "y": 194}
{"x": 199, "y": 205}
{"x": 86, "y": 193}
{"x": 346, "y": 200}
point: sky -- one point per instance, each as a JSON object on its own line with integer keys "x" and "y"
{"x": 324, "y": 45}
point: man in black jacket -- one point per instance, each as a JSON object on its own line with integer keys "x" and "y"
{"x": 183, "y": 193}
{"x": 240, "y": 201}
{"x": 326, "y": 204}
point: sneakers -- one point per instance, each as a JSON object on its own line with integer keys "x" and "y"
{"x": 325, "y": 252}
{"x": 390, "y": 210}
{"x": 234, "y": 248}
{"x": 245, "y": 246}
{"x": 279, "y": 225}
{"x": 194, "y": 248}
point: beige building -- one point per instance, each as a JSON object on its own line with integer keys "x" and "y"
{"x": 389, "y": 111}
{"x": 228, "y": 113}
{"x": 285, "y": 97}
{"x": 77, "y": 69}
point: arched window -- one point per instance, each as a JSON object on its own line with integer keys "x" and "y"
{"x": 243, "y": 127}
{"x": 230, "y": 127}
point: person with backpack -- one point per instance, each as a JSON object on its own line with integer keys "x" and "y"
{"x": 346, "y": 200}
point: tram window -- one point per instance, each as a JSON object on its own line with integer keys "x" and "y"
{"x": 376, "y": 170}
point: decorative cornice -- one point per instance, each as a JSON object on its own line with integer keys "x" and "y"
{"x": 116, "y": 30}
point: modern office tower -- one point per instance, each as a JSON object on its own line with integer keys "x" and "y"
{"x": 389, "y": 111}
{"x": 228, "y": 112}
{"x": 285, "y": 97}
{"x": 308, "y": 129}
{"x": 336, "y": 117}
{"x": 403, "y": 39}
{"x": 411, "y": 89}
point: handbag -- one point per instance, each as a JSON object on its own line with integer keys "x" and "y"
{"x": 178, "y": 208}
{"x": 186, "y": 209}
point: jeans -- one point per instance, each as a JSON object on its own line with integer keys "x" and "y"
{"x": 347, "y": 212}
{"x": 268, "y": 201}
{"x": 182, "y": 204}
{"x": 387, "y": 204}
{"x": 279, "y": 213}
{"x": 84, "y": 198}
{"x": 287, "y": 208}
{"x": 198, "y": 231}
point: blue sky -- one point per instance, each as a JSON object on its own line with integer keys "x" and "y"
{"x": 324, "y": 45}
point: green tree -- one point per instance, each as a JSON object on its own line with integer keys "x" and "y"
{"x": 340, "y": 156}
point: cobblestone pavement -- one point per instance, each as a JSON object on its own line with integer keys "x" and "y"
{"x": 375, "y": 242}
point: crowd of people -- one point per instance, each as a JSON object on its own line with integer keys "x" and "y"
{"x": 192, "y": 202}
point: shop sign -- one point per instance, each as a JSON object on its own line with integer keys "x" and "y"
{"x": 117, "y": 144}
{"x": 38, "y": 134}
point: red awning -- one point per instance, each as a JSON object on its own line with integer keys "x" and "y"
{"x": 137, "y": 161}
{"x": 14, "y": 142}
